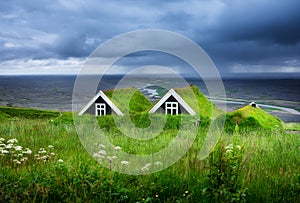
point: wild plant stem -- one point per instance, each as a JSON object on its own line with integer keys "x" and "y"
{"x": 110, "y": 184}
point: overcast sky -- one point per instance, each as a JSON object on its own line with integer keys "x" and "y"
{"x": 241, "y": 36}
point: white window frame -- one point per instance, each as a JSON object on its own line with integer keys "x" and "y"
{"x": 100, "y": 109}
{"x": 171, "y": 106}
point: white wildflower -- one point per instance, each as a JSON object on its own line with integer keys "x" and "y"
{"x": 4, "y": 151}
{"x": 18, "y": 148}
{"x": 96, "y": 155}
{"x": 45, "y": 157}
{"x": 50, "y": 147}
{"x": 52, "y": 154}
{"x": 230, "y": 146}
{"x": 28, "y": 151}
{"x": 2, "y": 145}
{"x": 228, "y": 151}
{"x": 101, "y": 146}
{"x": 117, "y": 148}
{"x": 125, "y": 163}
{"x": 9, "y": 146}
{"x": 102, "y": 152}
{"x": 14, "y": 140}
{"x": 158, "y": 163}
{"x": 42, "y": 151}
{"x": 16, "y": 161}
{"x": 20, "y": 155}
{"x": 24, "y": 159}
{"x": 2, "y": 139}
{"x": 146, "y": 167}
{"x": 238, "y": 147}
{"x": 110, "y": 158}
{"x": 60, "y": 161}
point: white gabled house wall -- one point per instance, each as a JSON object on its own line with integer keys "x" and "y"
{"x": 172, "y": 103}
{"x": 100, "y": 105}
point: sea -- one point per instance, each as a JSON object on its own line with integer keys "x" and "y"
{"x": 279, "y": 97}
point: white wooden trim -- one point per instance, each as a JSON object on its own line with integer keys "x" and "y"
{"x": 106, "y": 99}
{"x": 172, "y": 92}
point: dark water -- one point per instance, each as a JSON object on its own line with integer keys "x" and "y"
{"x": 55, "y": 92}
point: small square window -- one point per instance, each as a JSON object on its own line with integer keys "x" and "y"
{"x": 171, "y": 108}
{"x": 100, "y": 109}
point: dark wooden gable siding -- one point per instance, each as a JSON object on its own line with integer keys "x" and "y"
{"x": 92, "y": 109}
{"x": 162, "y": 108}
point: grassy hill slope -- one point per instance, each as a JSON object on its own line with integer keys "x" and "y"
{"x": 256, "y": 166}
{"x": 55, "y": 117}
{"x": 27, "y": 113}
{"x": 3, "y": 116}
{"x": 253, "y": 117}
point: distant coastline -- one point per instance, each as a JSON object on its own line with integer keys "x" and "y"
{"x": 54, "y": 92}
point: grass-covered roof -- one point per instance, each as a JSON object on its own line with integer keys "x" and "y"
{"x": 249, "y": 116}
{"x": 193, "y": 97}
{"x": 138, "y": 103}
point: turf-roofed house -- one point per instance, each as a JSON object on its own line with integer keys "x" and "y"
{"x": 173, "y": 104}
{"x": 118, "y": 101}
{"x": 100, "y": 105}
{"x": 186, "y": 100}
{"x": 252, "y": 116}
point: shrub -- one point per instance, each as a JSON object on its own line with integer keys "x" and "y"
{"x": 223, "y": 182}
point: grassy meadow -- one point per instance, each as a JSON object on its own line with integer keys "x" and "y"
{"x": 43, "y": 160}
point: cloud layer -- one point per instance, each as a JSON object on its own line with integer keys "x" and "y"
{"x": 238, "y": 35}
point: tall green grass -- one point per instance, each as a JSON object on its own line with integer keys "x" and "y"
{"x": 249, "y": 166}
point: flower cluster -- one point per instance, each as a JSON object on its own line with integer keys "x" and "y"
{"x": 45, "y": 155}
{"x": 148, "y": 165}
{"x": 11, "y": 151}
{"x": 112, "y": 158}
{"x": 230, "y": 148}
{"x": 103, "y": 155}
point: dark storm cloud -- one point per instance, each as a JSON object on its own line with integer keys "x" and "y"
{"x": 266, "y": 21}
{"x": 181, "y": 22}
{"x": 257, "y": 32}
{"x": 264, "y": 32}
